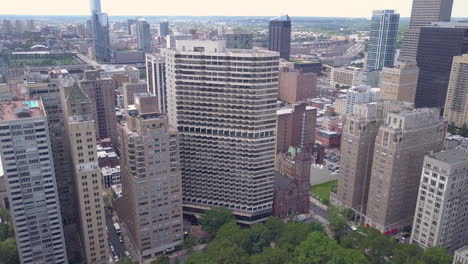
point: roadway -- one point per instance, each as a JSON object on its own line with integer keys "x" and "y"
{"x": 119, "y": 248}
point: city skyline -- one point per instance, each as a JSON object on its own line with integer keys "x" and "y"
{"x": 358, "y": 8}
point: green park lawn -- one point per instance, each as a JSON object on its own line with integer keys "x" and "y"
{"x": 322, "y": 191}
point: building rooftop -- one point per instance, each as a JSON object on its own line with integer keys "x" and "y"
{"x": 13, "y": 110}
{"x": 452, "y": 156}
{"x": 282, "y": 18}
{"x": 463, "y": 251}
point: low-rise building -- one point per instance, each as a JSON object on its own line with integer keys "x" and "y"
{"x": 461, "y": 256}
{"x": 110, "y": 176}
{"x": 329, "y": 139}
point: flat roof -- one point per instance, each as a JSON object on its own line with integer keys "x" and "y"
{"x": 13, "y": 110}
{"x": 452, "y": 156}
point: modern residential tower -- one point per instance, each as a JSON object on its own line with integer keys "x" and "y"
{"x": 100, "y": 29}
{"x": 143, "y": 35}
{"x": 383, "y": 37}
{"x": 456, "y": 103}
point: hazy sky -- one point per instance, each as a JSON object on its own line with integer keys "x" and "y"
{"x": 338, "y": 8}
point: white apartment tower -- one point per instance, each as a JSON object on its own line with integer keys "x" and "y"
{"x": 440, "y": 218}
{"x": 30, "y": 180}
{"x": 223, "y": 103}
{"x": 156, "y": 79}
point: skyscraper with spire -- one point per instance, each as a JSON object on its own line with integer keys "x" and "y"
{"x": 100, "y": 26}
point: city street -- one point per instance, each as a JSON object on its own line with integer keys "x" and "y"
{"x": 119, "y": 248}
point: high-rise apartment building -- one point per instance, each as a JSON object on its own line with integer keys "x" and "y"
{"x": 238, "y": 40}
{"x": 102, "y": 94}
{"x": 296, "y": 86}
{"x": 100, "y": 30}
{"x": 279, "y": 36}
{"x": 357, "y": 149}
{"x": 227, "y": 125}
{"x": 130, "y": 23}
{"x": 156, "y": 79}
{"x": 360, "y": 95}
{"x": 438, "y": 44}
{"x": 172, "y": 39}
{"x": 423, "y": 13}
{"x": 440, "y": 218}
{"x": 143, "y": 35}
{"x": 7, "y": 26}
{"x": 130, "y": 89}
{"x": 295, "y": 127}
{"x": 456, "y": 108}
{"x": 163, "y": 29}
{"x": 399, "y": 83}
{"x": 31, "y": 185}
{"x": 151, "y": 205}
{"x": 19, "y": 26}
{"x": 383, "y": 37}
{"x": 81, "y": 145}
{"x": 49, "y": 93}
{"x": 396, "y": 168}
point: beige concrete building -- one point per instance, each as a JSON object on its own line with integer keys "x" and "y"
{"x": 223, "y": 103}
{"x": 151, "y": 203}
{"x": 81, "y": 144}
{"x": 456, "y": 103}
{"x": 401, "y": 144}
{"x": 129, "y": 89}
{"x": 347, "y": 77}
{"x": 296, "y": 86}
{"x": 440, "y": 219}
{"x": 101, "y": 91}
{"x": 399, "y": 83}
{"x": 295, "y": 127}
{"x": 357, "y": 149}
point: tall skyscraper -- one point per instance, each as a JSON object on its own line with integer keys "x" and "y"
{"x": 440, "y": 218}
{"x": 383, "y": 37}
{"x": 100, "y": 28}
{"x": 279, "y": 36}
{"x": 396, "y": 168}
{"x": 227, "y": 125}
{"x": 19, "y": 26}
{"x": 50, "y": 96}
{"x": 7, "y": 26}
{"x": 456, "y": 108}
{"x": 143, "y": 35}
{"x": 438, "y": 44}
{"x": 163, "y": 29}
{"x": 81, "y": 145}
{"x": 151, "y": 205}
{"x": 399, "y": 83}
{"x": 296, "y": 86}
{"x": 295, "y": 127}
{"x": 130, "y": 23}
{"x": 156, "y": 79}
{"x": 423, "y": 13}
{"x": 102, "y": 94}
{"x": 32, "y": 189}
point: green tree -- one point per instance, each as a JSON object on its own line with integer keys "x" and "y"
{"x": 317, "y": 248}
{"x": 276, "y": 226}
{"x": 127, "y": 261}
{"x": 232, "y": 232}
{"x": 338, "y": 221}
{"x": 213, "y": 219}
{"x": 436, "y": 256}
{"x": 464, "y": 131}
{"x": 407, "y": 253}
{"x": 294, "y": 233}
{"x": 8, "y": 252}
{"x": 258, "y": 238}
{"x": 160, "y": 260}
{"x": 348, "y": 256}
{"x": 189, "y": 242}
{"x": 452, "y": 129}
{"x": 271, "y": 256}
{"x": 225, "y": 252}
{"x": 199, "y": 258}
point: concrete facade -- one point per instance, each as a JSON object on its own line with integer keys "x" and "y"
{"x": 296, "y": 86}
{"x": 399, "y": 83}
{"x": 456, "y": 108}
